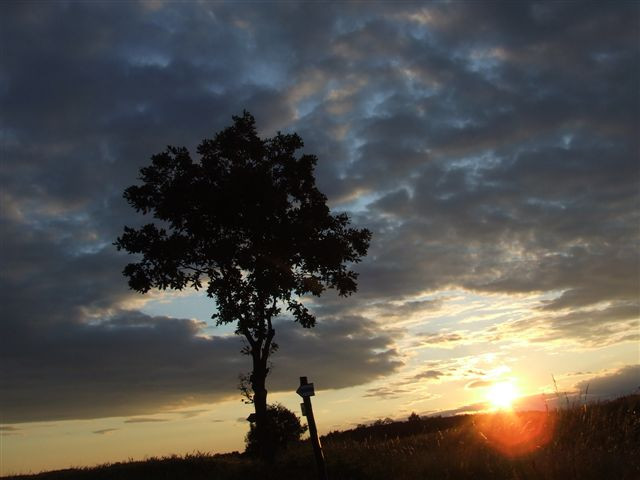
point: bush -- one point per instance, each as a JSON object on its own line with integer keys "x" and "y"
{"x": 283, "y": 427}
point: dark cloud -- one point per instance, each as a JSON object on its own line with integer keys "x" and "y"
{"x": 112, "y": 369}
{"x": 406, "y": 309}
{"x": 190, "y": 413}
{"x": 429, "y": 375}
{"x": 323, "y": 352}
{"x": 618, "y": 383}
{"x": 623, "y": 381}
{"x": 496, "y": 146}
{"x": 136, "y": 364}
{"x": 105, "y": 431}
{"x": 66, "y": 331}
{"x": 463, "y": 410}
{"x": 145, "y": 420}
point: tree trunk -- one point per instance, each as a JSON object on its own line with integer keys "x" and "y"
{"x": 266, "y": 448}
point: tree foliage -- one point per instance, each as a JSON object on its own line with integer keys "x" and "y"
{"x": 247, "y": 219}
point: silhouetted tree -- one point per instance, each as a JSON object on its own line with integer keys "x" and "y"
{"x": 247, "y": 223}
{"x": 282, "y": 428}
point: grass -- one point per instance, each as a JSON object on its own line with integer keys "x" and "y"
{"x": 581, "y": 442}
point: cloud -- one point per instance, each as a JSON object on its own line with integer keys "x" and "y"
{"x": 191, "y": 413}
{"x": 488, "y": 149}
{"x": 69, "y": 330}
{"x": 406, "y": 386}
{"x": 95, "y": 359}
{"x": 6, "y": 430}
{"x": 623, "y": 381}
{"x": 410, "y": 308}
{"x": 463, "y": 410}
{"x": 322, "y": 353}
{"x": 135, "y": 364}
{"x": 440, "y": 339}
{"x": 115, "y": 369}
{"x": 145, "y": 420}
{"x": 429, "y": 374}
{"x": 590, "y": 327}
{"x": 386, "y": 393}
{"x": 105, "y": 431}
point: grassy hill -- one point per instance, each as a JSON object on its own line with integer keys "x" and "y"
{"x": 581, "y": 442}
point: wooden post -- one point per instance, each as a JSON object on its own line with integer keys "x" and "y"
{"x": 305, "y": 390}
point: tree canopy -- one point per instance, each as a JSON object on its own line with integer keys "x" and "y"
{"x": 248, "y": 219}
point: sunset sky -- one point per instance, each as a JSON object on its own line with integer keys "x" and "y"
{"x": 491, "y": 148}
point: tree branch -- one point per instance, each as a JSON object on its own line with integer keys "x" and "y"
{"x": 270, "y": 334}
{"x": 189, "y": 267}
{"x": 250, "y": 339}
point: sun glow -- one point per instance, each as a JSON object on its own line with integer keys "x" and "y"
{"x": 502, "y": 395}
{"x": 510, "y": 432}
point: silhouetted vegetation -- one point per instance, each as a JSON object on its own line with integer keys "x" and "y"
{"x": 583, "y": 442}
{"x": 385, "y": 429}
{"x": 283, "y": 429}
{"x": 247, "y": 224}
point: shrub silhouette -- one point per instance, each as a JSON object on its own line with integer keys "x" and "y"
{"x": 414, "y": 418}
{"x": 283, "y": 429}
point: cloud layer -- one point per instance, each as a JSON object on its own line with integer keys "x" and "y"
{"x": 491, "y": 148}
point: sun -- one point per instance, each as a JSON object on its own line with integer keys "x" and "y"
{"x": 501, "y": 395}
